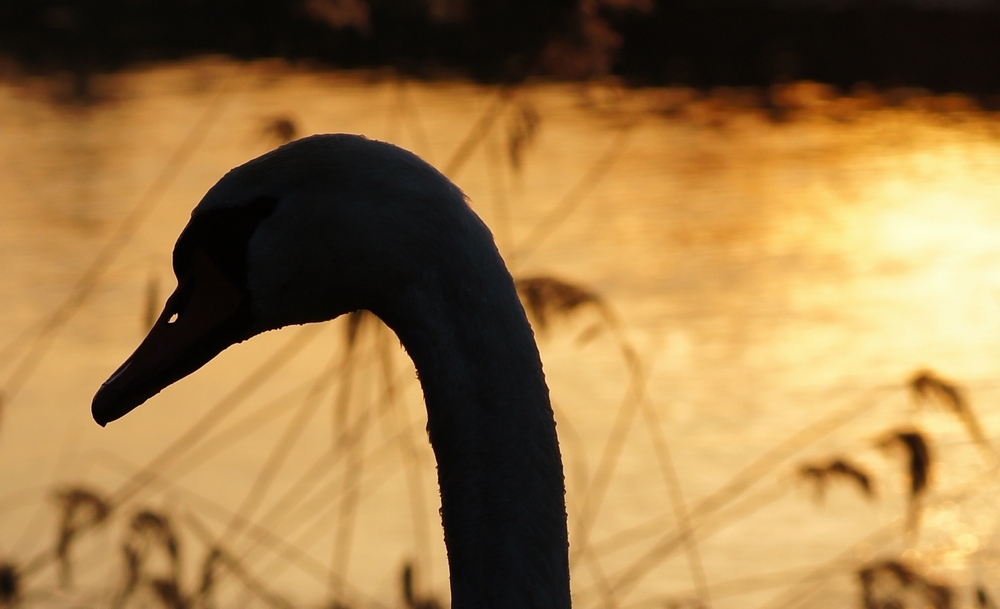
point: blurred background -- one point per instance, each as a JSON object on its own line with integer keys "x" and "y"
{"x": 757, "y": 242}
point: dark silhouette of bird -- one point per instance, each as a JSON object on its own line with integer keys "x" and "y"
{"x": 331, "y": 224}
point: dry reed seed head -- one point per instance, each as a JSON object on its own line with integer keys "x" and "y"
{"x": 891, "y": 584}
{"x": 926, "y": 386}
{"x": 82, "y": 507}
{"x": 407, "y": 582}
{"x": 918, "y": 451}
{"x": 983, "y": 600}
{"x": 410, "y": 597}
{"x": 547, "y": 296}
{"x": 169, "y": 593}
{"x": 282, "y": 129}
{"x": 920, "y": 461}
{"x": 855, "y": 473}
{"x": 818, "y": 477}
{"x": 10, "y": 585}
{"x": 148, "y": 527}
{"x": 838, "y": 468}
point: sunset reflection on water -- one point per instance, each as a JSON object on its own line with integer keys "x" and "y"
{"x": 778, "y": 274}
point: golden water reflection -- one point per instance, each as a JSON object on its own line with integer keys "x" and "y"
{"x": 778, "y": 280}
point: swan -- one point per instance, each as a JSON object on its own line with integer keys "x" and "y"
{"x": 330, "y": 224}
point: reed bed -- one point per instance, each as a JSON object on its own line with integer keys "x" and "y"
{"x": 171, "y": 548}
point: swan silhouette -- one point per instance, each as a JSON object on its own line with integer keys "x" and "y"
{"x": 330, "y": 224}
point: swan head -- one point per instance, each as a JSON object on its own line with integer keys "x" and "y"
{"x": 317, "y": 228}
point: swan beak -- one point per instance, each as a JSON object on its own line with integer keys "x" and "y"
{"x": 204, "y": 315}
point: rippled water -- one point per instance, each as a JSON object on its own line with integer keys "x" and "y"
{"x": 778, "y": 280}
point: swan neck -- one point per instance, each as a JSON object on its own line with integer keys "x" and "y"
{"x": 492, "y": 430}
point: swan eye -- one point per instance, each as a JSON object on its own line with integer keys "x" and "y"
{"x": 172, "y": 319}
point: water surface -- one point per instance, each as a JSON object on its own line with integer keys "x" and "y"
{"x": 770, "y": 276}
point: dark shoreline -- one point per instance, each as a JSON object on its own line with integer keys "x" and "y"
{"x": 677, "y": 43}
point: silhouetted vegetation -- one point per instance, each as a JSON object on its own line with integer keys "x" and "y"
{"x": 893, "y": 585}
{"x": 701, "y": 44}
{"x": 206, "y": 589}
{"x": 929, "y": 388}
{"x": 983, "y": 600}
{"x": 918, "y": 467}
{"x": 10, "y": 585}
{"x": 82, "y": 509}
{"x": 545, "y": 297}
{"x": 888, "y": 584}
{"x": 919, "y": 458}
{"x": 149, "y": 531}
{"x": 411, "y": 597}
{"x": 522, "y": 128}
{"x": 820, "y": 475}
{"x": 280, "y": 129}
